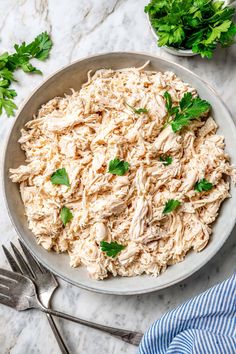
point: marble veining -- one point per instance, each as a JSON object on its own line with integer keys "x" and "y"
{"x": 81, "y": 28}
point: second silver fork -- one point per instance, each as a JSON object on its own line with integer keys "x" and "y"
{"x": 44, "y": 280}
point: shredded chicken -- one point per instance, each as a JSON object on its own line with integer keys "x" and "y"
{"x": 82, "y": 132}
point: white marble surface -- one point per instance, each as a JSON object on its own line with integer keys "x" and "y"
{"x": 80, "y": 28}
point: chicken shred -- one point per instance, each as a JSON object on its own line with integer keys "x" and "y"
{"x": 82, "y": 132}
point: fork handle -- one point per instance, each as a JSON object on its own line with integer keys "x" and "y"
{"x": 123, "y": 334}
{"x": 57, "y": 335}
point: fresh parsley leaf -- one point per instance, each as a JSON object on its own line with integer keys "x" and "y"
{"x": 171, "y": 205}
{"x": 112, "y": 248}
{"x": 164, "y": 38}
{"x": 43, "y": 44}
{"x": 60, "y": 176}
{"x": 195, "y": 109}
{"x": 206, "y": 51}
{"x": 198, "y": 25}
{"x": 8, "y": 105}
{"x": 227, "y": 38}
{"x": 118, "y": 167}
{"x": 170, "y": 35}
{"x": 185, "y": 101}
{"x": 203, "y": 185}
{"x": 6, "y": 96}
{"x": 217, "y": 31}
{"x": 170, "y": 109}
{"x": 3, "y": 83}
{"x": 168, "y": 99}
{"x": 66, "y": 215}
{"x": 141, "y": 110}
{"x": 189, "y": 108}
{"x": 155, "y": 6}
{"x": 38, "y": 49}
{"x": 137, "y": 110}
{"x": 7, "y": 75}
{"x": 169, "y": 105}
{"x": 6, "y": 92}
{"x": 167, "y": 160}
{"x": 195, "y": 39}
{"x": 4, "y": 57}
{"x": 179, "y": 122}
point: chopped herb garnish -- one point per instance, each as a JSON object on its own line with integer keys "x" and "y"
{"x": 60, "y": 177}
{"x": 203, "y": 185}
{"x": 168, "y": 99}
{"x": 167, "y": 160}
{"x": 66, "y": 215}
{"x": 38, "y": 49}
{"x": 118, "y": 167}
{"x": 137, "y": 110}
{"x": 112, "y": 248}
{"x": 141, "y": 110}
{"x": 199, "y": 25}
{"x": 171, "y": 205}
{"x": 189, "y": 108}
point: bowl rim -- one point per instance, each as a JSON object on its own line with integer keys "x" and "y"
{"x": 40, "y": 259}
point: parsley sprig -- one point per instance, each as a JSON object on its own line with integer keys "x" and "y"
{"x": 137, "y": 110}
{"x": 198, "y": 25}
{"x": 141, "y": 110}
{"x": 38, "y": 49}
{"x": 66, "y": 215}
{"x": 6, "y": 98}
{"x": 171, "y": 205}
{"x": 167, "y": 160}
{"x": 118, "y": 167}
{"x": 111, "y": 249}
{"x": 203, "y": 185}
{"x": 189, "y": 108}
{"x": 60, "y": 176}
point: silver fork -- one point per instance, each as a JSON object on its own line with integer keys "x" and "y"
{"x": 44, "y": 281}
{"x": 19, "y": 292}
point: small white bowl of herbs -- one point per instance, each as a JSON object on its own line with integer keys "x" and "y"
{"x": 191, "y": 27}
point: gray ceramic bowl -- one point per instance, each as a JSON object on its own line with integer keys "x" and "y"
{"x": 74, "y": 76}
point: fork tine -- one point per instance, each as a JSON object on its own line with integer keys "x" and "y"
{"x": 7, "y": 282}
{"x": 4, "y": 290}
{"x": 5, "y": 300}
{"x": 41, "y": 267}
{"x": 11, "y": 261}
{"x": 34, "y": 265}
{"x": 24, "y": 266}
{"x": 10, "y": 275}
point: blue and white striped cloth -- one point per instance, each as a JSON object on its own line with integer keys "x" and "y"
{"x": 202, "y": 325}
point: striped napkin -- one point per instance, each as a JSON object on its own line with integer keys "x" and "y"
{"x": 205, "y": 324}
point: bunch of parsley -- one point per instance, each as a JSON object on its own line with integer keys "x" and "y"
{"x": 198, "y": 25}
{"x": 38, "y": 49}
